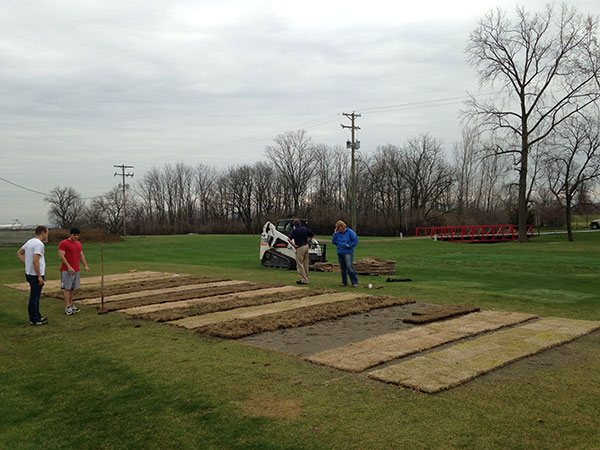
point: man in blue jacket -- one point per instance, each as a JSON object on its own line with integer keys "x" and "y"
{"x": 345, "y": 239}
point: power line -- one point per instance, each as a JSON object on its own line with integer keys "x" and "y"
{"x": 46, "y": 194}
{"x": 425, "y": 103}
{"x": 312, "y": 123}
{"x": 23, "y": 187}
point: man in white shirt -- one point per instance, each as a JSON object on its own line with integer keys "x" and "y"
{"x": 32, "y": 255}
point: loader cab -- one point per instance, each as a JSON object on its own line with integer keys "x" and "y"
{"x": 286, "y": 226}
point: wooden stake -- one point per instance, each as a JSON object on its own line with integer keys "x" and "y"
{"x": 102, "y": 310}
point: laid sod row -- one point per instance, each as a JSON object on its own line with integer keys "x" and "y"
{"x": 55, "y": 284}
{"x": 460, "y": 363}
{"x": 209, "y": 292}
{"x": 193, "y": 307}
{"x": 254, "y": 311}
{"x": 360, "y": 356}
{"x": 436, "y": 313}
{"x": 299, "y": 317}
{"x": 127, "y": 286}
{"x": 170, "y": 292}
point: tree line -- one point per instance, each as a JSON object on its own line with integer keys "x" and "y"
{"x": 399, "y": 188}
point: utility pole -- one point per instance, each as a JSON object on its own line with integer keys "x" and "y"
{"x": 353, "y": 144}
{"x": 123, "y": 174}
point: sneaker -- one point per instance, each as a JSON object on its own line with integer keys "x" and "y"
{"x": 69, "y": 311}
{"x": 75, "y": 308}
{"x": 41, "y": 321}
{"x": 343, "y": 284}
{"x": 355, "y": 285}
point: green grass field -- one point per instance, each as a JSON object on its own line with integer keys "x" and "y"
{"x": 106, "y": 381}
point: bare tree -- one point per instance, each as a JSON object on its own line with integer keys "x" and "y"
{"x": 240, "y": 191}
{"x": 548, "y": 66}
{"x": 294, "y": 158}
{"x": 573, "y": 162}
{"x": 204, "y": 183}
{"x": 467, "y": 159}
{"x": 66, "y": 206}
{"x": 428, "y": 178}
{"x": 106, "y": 211}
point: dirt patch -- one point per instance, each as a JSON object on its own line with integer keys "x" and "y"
{"x": 441, "y": 312}
{"x": 333, "y": 333}
{"x": 275, "y": 407}
{"x": 460, "y": 363}
{"x": 56, "y": 235}
{"x": 127, "y": 286}
{"x": 298, "y": 317}
{"x": 177, "y": 296}
{"x": 231, "y": 303}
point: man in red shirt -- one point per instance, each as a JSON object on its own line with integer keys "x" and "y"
{"x": 70, "y": 253}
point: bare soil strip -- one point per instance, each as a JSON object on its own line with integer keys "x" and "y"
{"x": 299, "y": 317}
{"x": 127, "y": 286}
{"x": 55, "y": 284}
{"x": 253, "y": 311}
{"x": 441, "y": 312}
{"x": 207, "y": 305}
{"x": 160, "y": 292}
{"x": 460, "y": 363}
{"x": 360, "y": 356}
{"x": 169, "y": 298}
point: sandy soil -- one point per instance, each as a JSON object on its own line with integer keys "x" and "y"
{"x": 328, "y": 334}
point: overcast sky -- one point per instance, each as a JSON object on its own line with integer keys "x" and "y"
{"x": 85, "y": 85}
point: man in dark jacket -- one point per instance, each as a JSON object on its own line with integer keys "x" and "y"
{"x": 299, "y": 238}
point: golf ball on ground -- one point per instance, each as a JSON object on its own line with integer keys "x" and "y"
{"x": 370, "y": 286}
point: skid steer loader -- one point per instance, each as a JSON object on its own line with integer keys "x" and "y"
{"x": 277, "y": 253}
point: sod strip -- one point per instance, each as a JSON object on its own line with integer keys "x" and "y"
{"x": 436, "y": 313}
{"x": 55, "y": 284}
{"x": 222, "y": 303}
{"x": 462, "y": 362}
{"x": 360, "y": 356}
{"x": 124, "y": 287}
{"x": 298, "y": 317}
{"x": 198, "y": 301}
{"x": 253, "y": 311}
{"x": 170, "y": 298}
{"x": 154, "y": 292}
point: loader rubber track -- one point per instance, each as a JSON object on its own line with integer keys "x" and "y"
{"x": 273, "y": 260}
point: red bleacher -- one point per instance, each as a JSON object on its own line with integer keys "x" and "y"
{"x": 474, "y": 233}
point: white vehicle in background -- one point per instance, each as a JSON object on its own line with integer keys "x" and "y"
{"x": 16, "y": 225}
{"x": 595, "y": 224}
{"x": 277, "y": 253}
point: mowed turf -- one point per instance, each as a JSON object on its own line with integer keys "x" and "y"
{"x": 183, "y": 390}
{"x": 463, "y": 362}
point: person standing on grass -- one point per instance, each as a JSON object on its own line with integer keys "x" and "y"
{"x": 32, "y": 256}
{"x": 300, "y": 238}
{"x": 345, "y": 239}
{"x": 70, "y": 253}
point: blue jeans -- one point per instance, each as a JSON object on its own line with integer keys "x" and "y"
{"x": 34, "y": 298}
{"x": 345, "y": 260}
